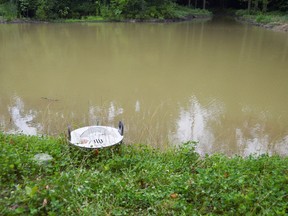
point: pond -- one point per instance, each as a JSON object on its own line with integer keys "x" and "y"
{"x": 218, "y": 82}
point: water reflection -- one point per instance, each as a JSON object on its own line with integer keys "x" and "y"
{"x": 194, "y": 124}
{"x": 105, "y": 114}
{"x": 137, "y": 106}
{"x": 208, "y": 125}
{"x": 21, "y": 119}
{"x": 255, "y": 135}
{"x": 205, "y": 122}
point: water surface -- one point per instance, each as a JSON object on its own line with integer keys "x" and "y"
{"x": 218, "y": 82}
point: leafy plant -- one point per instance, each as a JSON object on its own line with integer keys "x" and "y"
{"x": 264, "y": 18}
{"x": 136, "y": 180}
{"x": 8, "y": 10}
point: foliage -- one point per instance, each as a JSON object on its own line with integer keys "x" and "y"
{"x": 113, "y": 9}
{"x": 250, "y": 186}
{"x": 263, "y": 18}
{"x": 242, "y": 12}
{"x": 27, "y": 8}
{"x": 85, "y": 19}
{"x": 266, "y": 5}
{"x": 280, "y": 5}
{"x": 141, "y": 9}
{"x": 186, "y": 12}
{"x": 123, "y": 9}
{"x": 8, "y": 10}
{"x": 136, "y": 180}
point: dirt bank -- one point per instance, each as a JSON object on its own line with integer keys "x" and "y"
{"x": 281, "y": 27}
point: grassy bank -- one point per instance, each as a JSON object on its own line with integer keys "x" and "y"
{"x": 136, "y": 180}
{"x": 274, "y": 20}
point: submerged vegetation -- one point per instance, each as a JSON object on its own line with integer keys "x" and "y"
{"x": 136, "y": 180}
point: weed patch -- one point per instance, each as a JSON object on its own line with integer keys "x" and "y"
{"x": 136, "y": 180}
{"x": 8, "y": 11}
{"x": 263, "y": 18}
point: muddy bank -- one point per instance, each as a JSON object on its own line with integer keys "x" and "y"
{"x": 281, "y": 27}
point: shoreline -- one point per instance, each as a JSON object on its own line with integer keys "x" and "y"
{"x": 273, "y": 26}
{"x": 172, "y": 20}
{"x": 278, "y": 27}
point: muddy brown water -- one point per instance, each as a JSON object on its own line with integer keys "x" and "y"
{"x": 218, "y": 82}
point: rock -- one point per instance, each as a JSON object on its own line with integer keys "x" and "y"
{"x": 42, "y": 158}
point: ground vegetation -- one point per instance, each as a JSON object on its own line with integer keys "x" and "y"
{"x": 136, "y": 180}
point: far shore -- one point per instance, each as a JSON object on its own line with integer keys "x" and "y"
{"x": 280, "y": 27}
{"x": 26, "y": 20}
{"x": 274, "y": 26}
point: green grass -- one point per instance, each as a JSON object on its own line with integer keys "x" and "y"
{"x": 85, "y": 19}
{"x": 136, "y": 180}
{"x": 183, "y": 12}
{"x": 8, "y": 11}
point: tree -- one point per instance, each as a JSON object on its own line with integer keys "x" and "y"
{"x": 264, "y": 5}
{"x": 249, "y": 5}
{"x": 256, "y": 4}
{"x": 24, "y": 5}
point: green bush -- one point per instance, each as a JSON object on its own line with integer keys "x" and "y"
{"x": 83, "y": 8}
{"x": 41, "y": 12}
{"x": 241, "y": 12}
{"x": 168, "y": 10}
{"x": 27, "y": 8}
{"x": 262, "y": 18}
{"x": 104, "y": 11}
{"x": 113, "y": 9}
{"x": 8, "y": 10}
